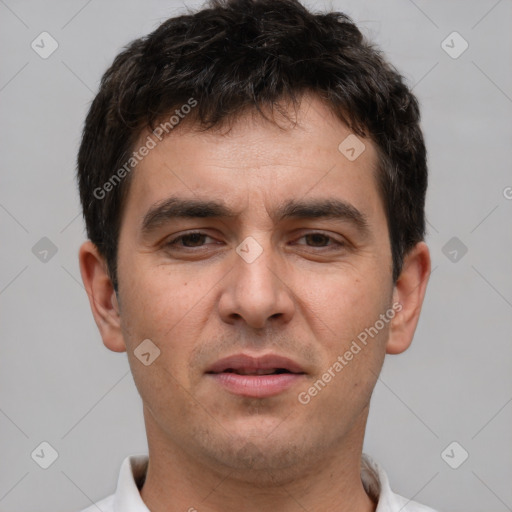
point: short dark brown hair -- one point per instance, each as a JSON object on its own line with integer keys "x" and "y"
{"x": 235, "y": 55}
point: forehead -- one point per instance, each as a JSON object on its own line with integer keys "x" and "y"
{"x": 260, "y": 163}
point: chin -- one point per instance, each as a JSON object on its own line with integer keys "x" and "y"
{"x": 260, "y": 455}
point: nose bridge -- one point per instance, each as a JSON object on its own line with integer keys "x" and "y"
{"x": 255, "y": 268}
{"x": 255, "y": 293}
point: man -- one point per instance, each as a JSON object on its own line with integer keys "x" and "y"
{"x": 253, "y": 180}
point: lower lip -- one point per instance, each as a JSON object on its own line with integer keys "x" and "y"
{"x": 257, "y": 386}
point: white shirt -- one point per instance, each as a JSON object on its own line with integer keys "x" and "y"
{"x": 127, "y": 497}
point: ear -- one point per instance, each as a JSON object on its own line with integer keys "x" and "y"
{"x": 409, "y": 291}
{"x": 102, "y": 297}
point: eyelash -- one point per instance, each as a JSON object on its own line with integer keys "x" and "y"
{"x": 174, "y": 242}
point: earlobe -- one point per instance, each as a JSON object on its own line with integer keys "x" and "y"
{"x": 102, "y": 297}
{"x": 409, "y": 292}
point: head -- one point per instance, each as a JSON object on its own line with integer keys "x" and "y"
{"x": 254, "y": 127}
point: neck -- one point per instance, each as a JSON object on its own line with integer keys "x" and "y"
{"x": 178, "y": 480}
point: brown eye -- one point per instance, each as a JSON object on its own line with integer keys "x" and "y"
{"x": 193, "y": 239}
{"x": 188, "y": 240}
{"x": 320, "y": 240}
{"x": 317, "y": 239}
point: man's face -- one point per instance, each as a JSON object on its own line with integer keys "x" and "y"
{"x": 320, "y": 279}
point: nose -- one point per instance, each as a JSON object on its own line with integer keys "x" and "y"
{"x": 257, "y": 293}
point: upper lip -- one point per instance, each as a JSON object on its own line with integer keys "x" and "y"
{"x": 247, "y": 363}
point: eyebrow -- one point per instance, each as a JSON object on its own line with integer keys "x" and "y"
{"x": 173, "y": 208}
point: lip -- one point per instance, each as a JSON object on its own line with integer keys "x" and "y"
{"x": 251, "y": 384}
{"x": 264, "y": 362}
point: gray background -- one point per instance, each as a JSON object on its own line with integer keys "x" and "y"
{"x": 59, "y": 384}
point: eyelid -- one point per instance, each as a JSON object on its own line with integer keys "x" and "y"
{"x": 172, "y": 242}
{"x": 176, "y": 238}
{"x": 340, "y": 242}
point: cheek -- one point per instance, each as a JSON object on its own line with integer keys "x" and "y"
{"x": 166, "y": 309}
{"x": 169, "y": 307}
{"x": 158, "y": 299}
{"x": 354, "y": 349}
{"x": 346, "y": 304}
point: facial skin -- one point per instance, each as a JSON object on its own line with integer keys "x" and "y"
{"x": 305, "y": 297}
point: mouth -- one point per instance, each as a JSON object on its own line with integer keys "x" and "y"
{"x": 257, "y": 371}
{"x": 256, "y": 377}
